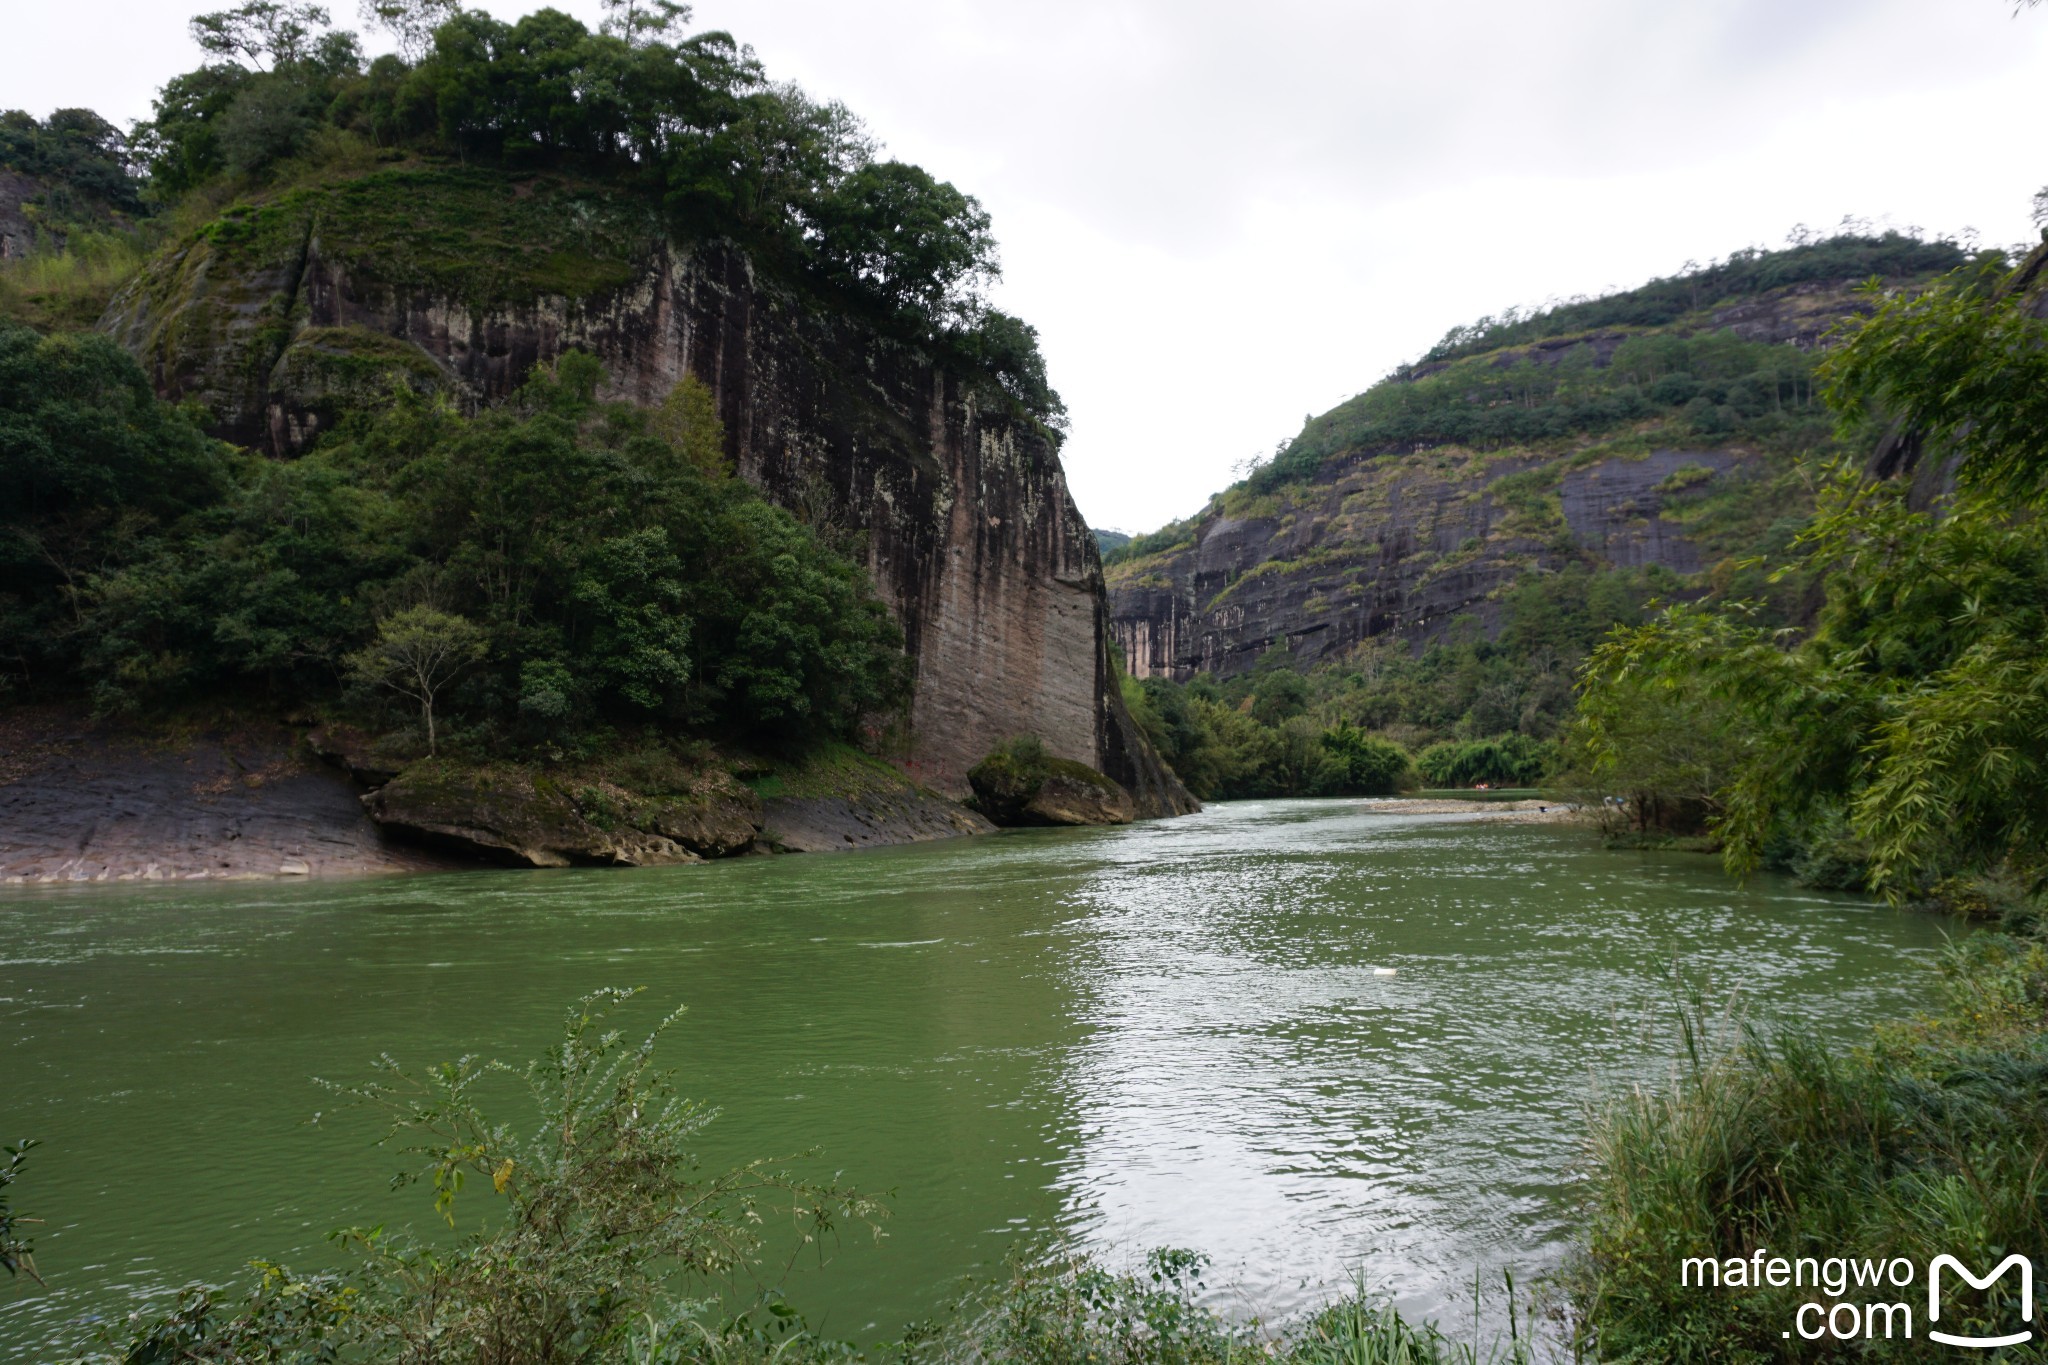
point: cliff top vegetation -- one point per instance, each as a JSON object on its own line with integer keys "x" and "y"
{"x": 687, "y": 125}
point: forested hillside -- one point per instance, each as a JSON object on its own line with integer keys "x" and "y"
{"x": 1433, "y": 559}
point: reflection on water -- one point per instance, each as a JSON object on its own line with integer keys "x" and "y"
{"x": 1168, "y": 1034}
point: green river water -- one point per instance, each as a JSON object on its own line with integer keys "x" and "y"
{"x": 1170, "y": 1034}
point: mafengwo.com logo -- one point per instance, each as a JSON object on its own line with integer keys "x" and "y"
{"x": 1860, "y": 1299}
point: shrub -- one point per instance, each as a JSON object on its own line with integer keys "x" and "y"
{"x": 1926, "y": 1143}
{"x": 1368, "y": 766}
{"x": 1506, "y": 761}
{"x": 602, "y": 1227}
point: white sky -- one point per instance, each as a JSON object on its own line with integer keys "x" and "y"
{"x": 1223, "y": 218}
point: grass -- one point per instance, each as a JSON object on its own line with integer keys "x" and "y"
{"x": 1928, "y": 1141}
{"x": 67, "y": 291}
{"x": 830, "y": 770}
{"x": 1074, "y": 1311}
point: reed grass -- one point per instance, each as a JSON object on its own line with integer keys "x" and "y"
{"x": 1931, "y": 1139}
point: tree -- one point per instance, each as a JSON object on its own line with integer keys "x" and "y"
{"x": 916, "y": 243}
{"x": 1960, "y": 374}
{"x": 417, "y": 653}
{"x": 411, "y": 22}
{"x": 687, "y": 421}
{"x": 645, "y": 21}
{"x": 1371, "y": 766}
{"x": 279, "y": 32}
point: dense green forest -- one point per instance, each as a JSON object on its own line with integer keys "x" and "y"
{"x": 543, "y": 572}
{"x": 530, "y": 580}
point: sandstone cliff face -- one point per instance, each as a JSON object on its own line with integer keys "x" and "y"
{"x": 1407, "y": 546}
{"x": 970, "y": 533}
{"x": 1416, "y": 544}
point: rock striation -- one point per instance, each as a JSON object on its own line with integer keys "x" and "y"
{"x": 1407, "y": 546}
{"x": 86, "y": 803}
{"x": 272, "y": 315}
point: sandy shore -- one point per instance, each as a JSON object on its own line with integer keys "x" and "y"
{"x": 1531, "y": 812}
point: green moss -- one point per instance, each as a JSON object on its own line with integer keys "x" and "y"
{"x": 333, "y": 370}
{"x": 833, "y": 770}
{"x": 475, "y": 236}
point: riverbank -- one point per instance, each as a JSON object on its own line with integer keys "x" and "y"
{"x": 237, "y": 798}
{"x": 1529, "y": 811}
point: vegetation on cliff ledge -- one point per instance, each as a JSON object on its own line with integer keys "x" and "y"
{"x": 641, "y": 126}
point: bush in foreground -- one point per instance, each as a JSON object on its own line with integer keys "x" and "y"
{"x": 601, "y": 1236}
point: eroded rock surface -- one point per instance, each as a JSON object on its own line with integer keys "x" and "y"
{"x": 80, "y": 803}
{"x": 1396, "y": 545}
{"x": 1044, "y": 790}
{"x": 512, "y": 814}
{"x": 832, "y": 824}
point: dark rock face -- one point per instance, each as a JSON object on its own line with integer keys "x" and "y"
{"x": 17, "y": 230}
{"x": 833, "y": 824}
{"x": 79, "y": 802}
{"x": 970, "y": 533}
{"x": 1408, "y": 546}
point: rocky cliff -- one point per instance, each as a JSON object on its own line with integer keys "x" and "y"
{"x": 281, "y": 313}
{"x": 1680, "y": 465}
{"x": 1412, "y": 546}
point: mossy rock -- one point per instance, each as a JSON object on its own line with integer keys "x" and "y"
{"x": 1022, "y": 785}
{"x": 327, "y": 372}
{"x": 509, "y": 814}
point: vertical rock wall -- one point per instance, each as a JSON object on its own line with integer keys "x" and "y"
{"x": 959, "y": 505}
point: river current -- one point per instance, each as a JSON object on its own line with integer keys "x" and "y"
{"x": 1175, "y": 1034}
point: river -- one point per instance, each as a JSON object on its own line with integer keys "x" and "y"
{"x": 1170, "y": 1034}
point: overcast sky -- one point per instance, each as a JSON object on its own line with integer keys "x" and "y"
{"x": 1224, "y": 218}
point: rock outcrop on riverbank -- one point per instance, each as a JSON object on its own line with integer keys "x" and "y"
{"x": 1023, "y": 784}
{"x": 83, "y": 803}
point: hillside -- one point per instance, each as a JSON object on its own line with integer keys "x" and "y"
{"x": 541, "y": 398}
{"x": 1657, "y": 435}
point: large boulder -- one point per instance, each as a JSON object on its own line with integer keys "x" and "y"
{"x": 1021, "y": 784}
{"x": 515, "y": 815}
{"x": 719, "y": 819}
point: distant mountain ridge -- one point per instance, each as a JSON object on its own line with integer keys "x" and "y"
{"x": 1655, "y": 431}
